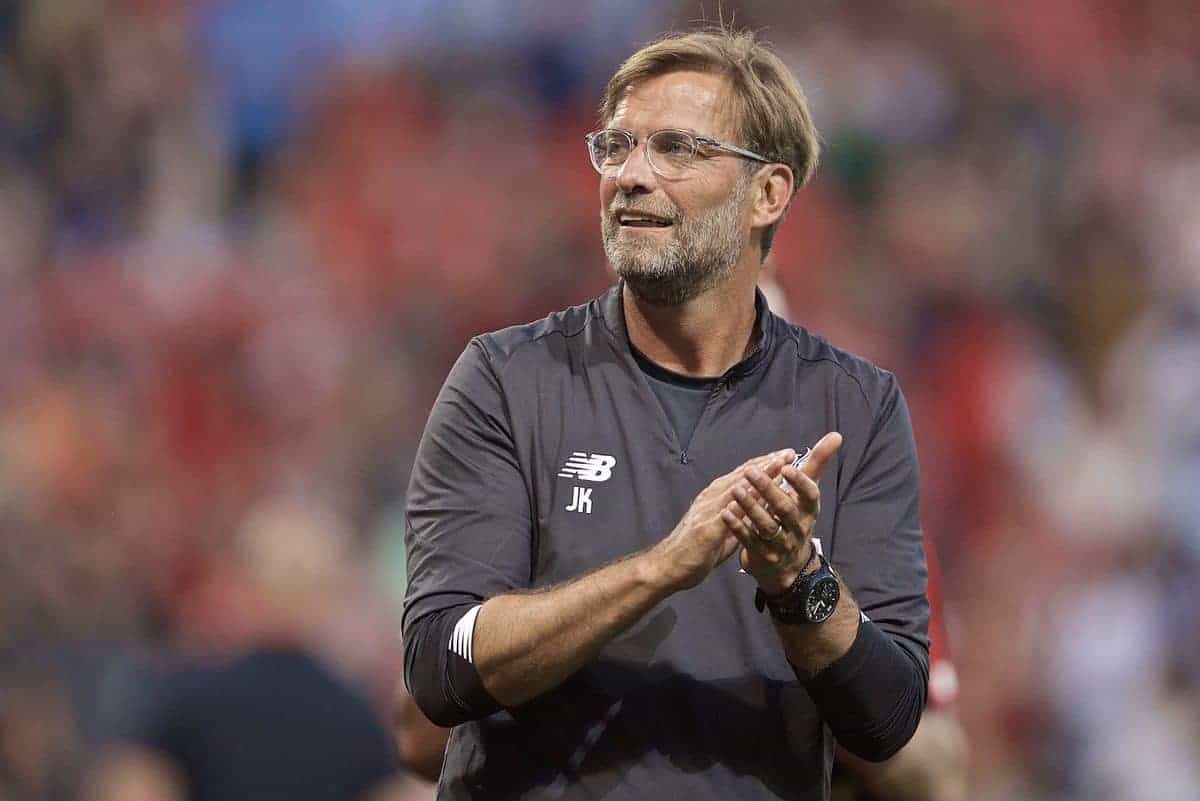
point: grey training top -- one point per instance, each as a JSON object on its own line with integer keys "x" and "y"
{"x": 547, "y": 455}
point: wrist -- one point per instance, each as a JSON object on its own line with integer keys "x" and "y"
{"x": 812, "y": 597}
{"x": 655, "y": 571}
{"x": 782, "y": 581}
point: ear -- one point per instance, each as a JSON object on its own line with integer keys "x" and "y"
{"x": 775, "y": 184}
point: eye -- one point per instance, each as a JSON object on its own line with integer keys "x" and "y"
{"x": 610, "y": 146}
{"x": 673, "y": 144}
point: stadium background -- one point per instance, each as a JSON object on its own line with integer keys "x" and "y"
{"x": 242, "y": 241}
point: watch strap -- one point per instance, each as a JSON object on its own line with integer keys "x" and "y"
{"x": 763, "y": 601}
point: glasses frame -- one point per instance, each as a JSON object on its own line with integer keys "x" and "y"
{"x": 696, "y": 138}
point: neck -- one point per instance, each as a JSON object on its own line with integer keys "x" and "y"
{"x": 704, "y": 336}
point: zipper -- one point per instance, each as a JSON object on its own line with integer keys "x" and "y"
{"x": 720, "y": 387}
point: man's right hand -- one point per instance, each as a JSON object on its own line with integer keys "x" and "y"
{"x": 702, "y": 540}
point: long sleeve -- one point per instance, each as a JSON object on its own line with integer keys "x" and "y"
{"x": 469, "y": 535}
{"x": 872, "y": 698}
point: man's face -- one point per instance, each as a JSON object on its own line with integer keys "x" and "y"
{"x": 705, "y": 210}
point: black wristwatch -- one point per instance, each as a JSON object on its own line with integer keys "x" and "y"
{"x": 812, "y": 598}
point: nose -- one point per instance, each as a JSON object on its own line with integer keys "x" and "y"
{"x": 635, "y": 177}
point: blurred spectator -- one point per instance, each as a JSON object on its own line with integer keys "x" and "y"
{"x": 276, "y": 720}
{"x": 39, "y": 738}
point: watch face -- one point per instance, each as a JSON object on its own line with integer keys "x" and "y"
{"x": 822, "y": 600}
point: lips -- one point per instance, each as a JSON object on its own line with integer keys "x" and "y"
{"x": 641, "y": 220}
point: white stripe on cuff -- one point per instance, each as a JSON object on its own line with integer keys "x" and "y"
{"x": 464, "y": 631}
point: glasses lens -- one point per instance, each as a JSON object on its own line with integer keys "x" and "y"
{"x": 671, "y": 152}
{"x": 609, "y": 149}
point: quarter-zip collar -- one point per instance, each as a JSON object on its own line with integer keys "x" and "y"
{"x": 614, "y": 318}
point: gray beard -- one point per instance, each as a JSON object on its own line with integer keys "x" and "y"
{"x": 700, "y": 255}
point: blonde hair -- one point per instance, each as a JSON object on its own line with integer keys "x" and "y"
{"x": 771, "y": 111}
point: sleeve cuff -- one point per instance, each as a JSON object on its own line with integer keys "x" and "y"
{"x": 843, "y": 669}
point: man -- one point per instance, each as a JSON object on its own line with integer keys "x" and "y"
{"x": 583, "y": 481}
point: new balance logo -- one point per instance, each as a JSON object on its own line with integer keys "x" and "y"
{"x": 585, "y": 467}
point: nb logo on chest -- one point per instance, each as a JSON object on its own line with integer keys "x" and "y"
{"x": 588, "y": 467}
{"x": 594, "y": 467}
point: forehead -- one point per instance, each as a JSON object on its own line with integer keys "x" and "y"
{"x": 696, "y": 101}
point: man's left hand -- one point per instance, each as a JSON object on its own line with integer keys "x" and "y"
{"x": 776, "y": 523}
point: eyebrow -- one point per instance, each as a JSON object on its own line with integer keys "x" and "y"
{"x": 639, "y": 137}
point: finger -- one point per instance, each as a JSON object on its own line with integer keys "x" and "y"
{"x": 752, "y": 492}
{"x": 822, "y": 452}
{"x": 761, "y": 519}
{"x": 770, "y": 463}
{"x": 733, "y": 511}
{"x": 740, "y": 529}
{"x": 778, "y": 501}
{"x": 807, "y": 493}
{"x": 755, "y": 547}
{"x": 767, "y": 459}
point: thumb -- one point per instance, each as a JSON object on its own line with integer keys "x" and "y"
{"x": 822, "y": 452}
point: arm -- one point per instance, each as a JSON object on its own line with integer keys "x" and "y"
{"x": 868, "y": 679}
{"x": 931, "y": 767}
{"x": 528, "y": 643}
{"x": 812, "y": 649}
{"x": 421, "y": 743}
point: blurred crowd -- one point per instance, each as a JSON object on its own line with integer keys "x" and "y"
{"x": 242, "y": 241}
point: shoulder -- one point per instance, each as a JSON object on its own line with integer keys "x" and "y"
{"x": 857, "y": 376}
{"x": 506, "y": 345}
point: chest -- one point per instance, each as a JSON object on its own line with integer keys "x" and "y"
{"x": 611, "y": 474}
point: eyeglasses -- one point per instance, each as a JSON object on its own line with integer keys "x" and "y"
{"x": 670, "y": 152}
